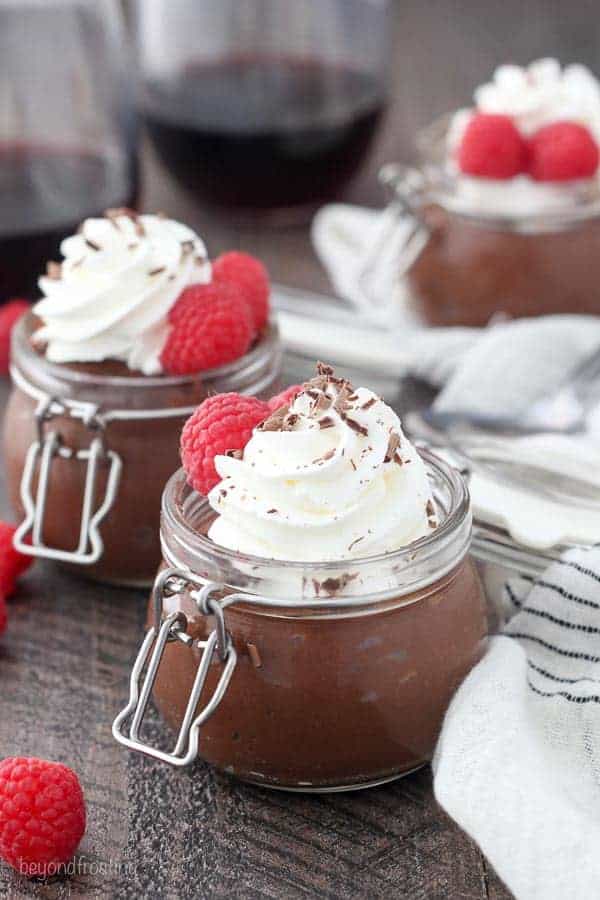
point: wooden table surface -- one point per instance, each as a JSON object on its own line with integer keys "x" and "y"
{"x": 155, "y": 832}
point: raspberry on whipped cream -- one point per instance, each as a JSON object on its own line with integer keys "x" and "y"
{"x": 329, "y": 477}
{"x": 111, "y": 295}
{"x": 532, "y": 98}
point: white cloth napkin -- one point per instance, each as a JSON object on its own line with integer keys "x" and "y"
{"x": 502, "y": 368}
{"x": 518, "y": 761}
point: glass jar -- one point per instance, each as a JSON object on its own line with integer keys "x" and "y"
{"x": 68, "y": 128}
{"x": 462, "y": 266}
{"x": 265, "y": 105}
{"x": 89, "y": 448}
{"x": 307, "y": 676}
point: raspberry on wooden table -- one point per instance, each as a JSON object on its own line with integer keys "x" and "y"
{"x": 251, "y": 277}
{"x": 221, "y": 423}
{"x": 492, "y": 147}
{"x": 42, "y": 815}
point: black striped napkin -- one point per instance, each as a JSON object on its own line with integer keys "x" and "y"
{"x": 518, "y": 761}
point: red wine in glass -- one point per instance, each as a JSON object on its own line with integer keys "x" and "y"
{"x": 264, "y": 132}
{"x": 46, "y": 192}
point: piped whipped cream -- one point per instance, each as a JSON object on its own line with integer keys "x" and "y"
{"x": 330, "y": 477}
{"x": 534, "y": 96}
{"x": 111, "y": 295}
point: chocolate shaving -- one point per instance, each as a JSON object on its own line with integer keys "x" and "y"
{"x": 398, "y": 459}
{"x": 132, "y": 246}
{"x": 355, "y": 426}
{"x": 353, "y": 464}
{"x": 326, "y": 422}
{"x": 393, "y": 444}
{"x": 432, "y": 523}
{"x": 329, "y": 455}
{"x": 290, "y": 421}
{"x": 187, "y": 246}
{"x": 322, "y": 402}
{"x": 275, "y": 421}
{"x": 355, "y": 542}
{"x": 93, "y": 245}
{"x": 334, "y": 585}
{"x": 54, "y": 270}
{"x": 369, "y": 403}
{"x": 324, "y": 369}
{"x": 157, "y": 271}
{"x": 430, "y": 508}
{"x": 235, "y": 454}
{"x": 271, "y": 511}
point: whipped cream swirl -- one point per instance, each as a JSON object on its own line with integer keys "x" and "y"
{"x": 331, "y": 477}
{"x": 110, "y": 297}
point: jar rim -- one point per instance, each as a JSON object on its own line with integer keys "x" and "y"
{"x": 437, "y": 187}
{"x": 456, "y": 521}
{"x": 22, "y": 350}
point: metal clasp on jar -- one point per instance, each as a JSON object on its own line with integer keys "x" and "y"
{"x": 174, "y": 628}
{"x": 48, "y": 447}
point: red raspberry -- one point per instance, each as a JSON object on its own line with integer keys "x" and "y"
{"x": 10, "y": 313}
{"x": 211, "y": 327}
{"x": 562, "y": 151}
{"x": 252, "y": 278}
{"x": 221, "y": 423}
{"x": 12, "y": 563}
{"x": 492, "y": 147}
{"x": 3, "y": 614}
{"x": 285, "y": 397}
{"x": 42, "y": 815}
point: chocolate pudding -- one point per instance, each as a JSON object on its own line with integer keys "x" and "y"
{"x": 505, "y": 205}
{"x": 349, "y": 633}
{"x": 470, "y": 271}
{"x": 148, "y": 448}
{"x": 320, "y": 699}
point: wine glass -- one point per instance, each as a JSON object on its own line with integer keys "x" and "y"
{"x": 67, "y": 128}
{"x": 262, "y": 104}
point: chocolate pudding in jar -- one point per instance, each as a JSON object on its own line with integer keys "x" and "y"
{"x": 506, "y": 203}
{"x": 101, "y": 390}
{"x": 337, "y": 661}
